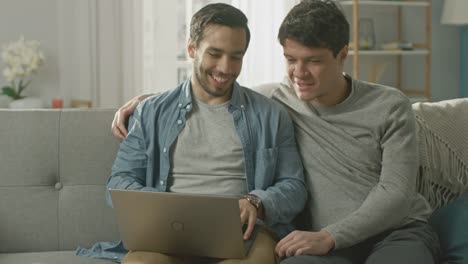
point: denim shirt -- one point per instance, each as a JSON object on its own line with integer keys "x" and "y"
{"x": 273, "y": 166}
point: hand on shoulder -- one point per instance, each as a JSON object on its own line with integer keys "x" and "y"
{"x": 119, "y": 124}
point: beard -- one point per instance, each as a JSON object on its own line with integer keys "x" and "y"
{"x": 202, "y": 75}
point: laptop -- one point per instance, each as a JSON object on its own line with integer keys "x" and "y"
{"x": 180, "y": 224}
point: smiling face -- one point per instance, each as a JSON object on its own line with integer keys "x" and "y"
{"x": 217, "y": 61}
{"x": 317, "y": 75}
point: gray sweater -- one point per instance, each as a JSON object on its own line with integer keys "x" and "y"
{"x": 360, "y": 159}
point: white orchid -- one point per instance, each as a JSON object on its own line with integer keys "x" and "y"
{"x": 22, "y": 58}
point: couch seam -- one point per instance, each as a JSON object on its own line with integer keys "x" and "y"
{"x": 59, "y": 246}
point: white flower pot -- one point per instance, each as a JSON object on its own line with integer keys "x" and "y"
{"x": 27, "y": 103}
{"x": 5, "y": 101}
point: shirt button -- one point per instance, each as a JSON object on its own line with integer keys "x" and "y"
{"x": 179, "y": 122}
{"x": 164, "y": 150}
{"x": 161, "y": 182}
{"x": 58, "y": 186}
{"x": 242, "y": 106}
{"x": 180, "y": 105}
{"x": 188, "y": 107}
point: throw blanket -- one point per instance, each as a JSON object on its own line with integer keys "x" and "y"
{"x": 443, "y": 148}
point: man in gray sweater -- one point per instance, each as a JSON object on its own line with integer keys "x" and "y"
{"x": 358, "y": 145}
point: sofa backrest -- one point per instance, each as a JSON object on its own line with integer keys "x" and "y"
{"x": 53, "y": 168}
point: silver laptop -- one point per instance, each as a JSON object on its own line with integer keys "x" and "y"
{"x": 179, "y": 224}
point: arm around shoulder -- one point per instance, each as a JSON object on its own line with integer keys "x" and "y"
{"x": 119, "y": 124}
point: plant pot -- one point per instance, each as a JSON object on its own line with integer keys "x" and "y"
{"x": 27, "y": 103}
{"x": 5, "y": 101}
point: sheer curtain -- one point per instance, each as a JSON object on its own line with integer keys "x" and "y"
{"x": 98, "y": 51}
{"x": 113, "y": 50}
{"x": 264, "y": 60}
{"x": 166, "y": 31}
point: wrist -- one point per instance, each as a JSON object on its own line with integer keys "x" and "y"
{"x": 256, "y": 202}
{"x": 328, "y": 239}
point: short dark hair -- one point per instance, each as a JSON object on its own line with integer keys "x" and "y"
{"x": 316, "y": 24}
{"x": 217, "y": 14}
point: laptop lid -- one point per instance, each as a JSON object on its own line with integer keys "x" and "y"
{"x": 181, "y": 224}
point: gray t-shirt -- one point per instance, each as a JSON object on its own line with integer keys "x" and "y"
{"x": 360, "y": 159}
{"x": 207, "y": 157}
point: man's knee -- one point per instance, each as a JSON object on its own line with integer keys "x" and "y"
{"x": 404, "y": 252}
{"x": 415, "y": 243}
{"x": 262, "y": 250}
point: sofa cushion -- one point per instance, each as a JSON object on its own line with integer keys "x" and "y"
{"x": 28, "y": 219}
{"x": 55, "y": 257}
{"x": 85, "y": 217}
{"x": 29, "y": 155}
{"x": 53, "y": 168}
{"x": 87, "y": 150}
{"x": 28, "y": 172}
{"x": 87, "y": 146}
{"x": 450, "y": 222}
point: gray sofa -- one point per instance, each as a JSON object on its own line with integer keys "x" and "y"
{"x": 53, "y": 169}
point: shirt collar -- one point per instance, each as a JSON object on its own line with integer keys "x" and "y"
{"x": 237, "y": 98}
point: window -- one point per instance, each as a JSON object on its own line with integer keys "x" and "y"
{"x": 126, "y": 48}
{"x": 166, "y": 30}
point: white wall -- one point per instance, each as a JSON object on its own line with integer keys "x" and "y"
{"x": 35, "y": 20}
{"x": 82, "y": 44}
{"x": 76, "y": 52}
{"x": 74, "y": 70}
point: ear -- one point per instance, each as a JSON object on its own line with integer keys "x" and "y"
{"x": 191, "y": 48}
{"x": 343, "y": 54}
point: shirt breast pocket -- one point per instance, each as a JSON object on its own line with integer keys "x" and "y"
{"x": 265, "y": 167}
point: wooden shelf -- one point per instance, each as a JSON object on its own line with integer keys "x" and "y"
{"x": 386, "y": 3}
{"x": 419, "y": 49}
{"x": 390, "y": 52}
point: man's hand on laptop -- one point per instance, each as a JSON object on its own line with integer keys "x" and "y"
{"x": 248, "y": 215}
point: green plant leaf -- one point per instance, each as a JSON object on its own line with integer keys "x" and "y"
{"x": 8, "y": 91}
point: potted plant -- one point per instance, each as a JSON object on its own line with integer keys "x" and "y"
{"x": 22, "y": 58}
